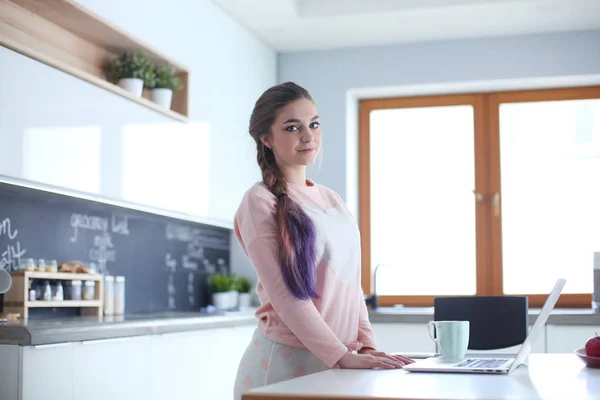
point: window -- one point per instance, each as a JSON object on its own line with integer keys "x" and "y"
{"x": 483, "y": 194}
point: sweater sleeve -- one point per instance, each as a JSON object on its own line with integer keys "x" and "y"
{"x": 300, "y": 316}
{"x": 366, "y": 335}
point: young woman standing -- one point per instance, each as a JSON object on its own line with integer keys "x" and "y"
{"x": 305, "y": 247}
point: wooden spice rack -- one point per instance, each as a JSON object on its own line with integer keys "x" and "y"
{"x": 16, "y": 300}
{"x": 67, "y": 36}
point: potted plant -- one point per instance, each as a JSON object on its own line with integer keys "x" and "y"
{"x": 221, "y": 286}
{"x": 164, "y": 84}
{"x": 132, "y": 72}
{"x": 243, "y": 286}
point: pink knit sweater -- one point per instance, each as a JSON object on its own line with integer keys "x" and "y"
{"x": 338, "y": 321}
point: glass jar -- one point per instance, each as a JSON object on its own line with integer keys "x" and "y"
{"x": 30, "y": 266}
{"x": 75, "y": 292}
{"x": 41, "y": 266}
{"x": 119, "y": 295}
{"x": 89, "y": 291}
{"x": 109, "y": 297}
{"x": 47, "y": 294}
{"x": 52, "y": 266}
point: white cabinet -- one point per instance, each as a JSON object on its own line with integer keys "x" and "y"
{"x": 202, "y": 362}
{"x": 223, "y": 351}
{"x": 116, "y": 369}
{"x": 174, "y": 365}
{"x": 46, "y": 372}
{"x": 403, "y": 337}
{"x": 193, "y": 365}
{"x": 568, "y": 338}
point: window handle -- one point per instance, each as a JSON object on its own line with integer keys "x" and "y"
{"x": 496, "y": 204}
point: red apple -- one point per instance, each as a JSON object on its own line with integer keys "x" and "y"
{"x": 592, "y": 347}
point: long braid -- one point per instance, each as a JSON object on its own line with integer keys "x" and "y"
{"x": 296, "y": 231}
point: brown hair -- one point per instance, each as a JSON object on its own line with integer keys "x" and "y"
{"x": 296, "y": 230}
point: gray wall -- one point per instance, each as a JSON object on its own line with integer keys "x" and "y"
{"x": 330, "y": 75}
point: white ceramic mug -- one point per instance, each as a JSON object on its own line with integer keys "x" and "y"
{"x": 452, "y": 338}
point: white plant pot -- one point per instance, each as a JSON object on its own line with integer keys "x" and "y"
{"x": 162, "y": 97}
{"x": 221, "y": 300}
{"x": 133, "y": 85}
{"x": 245, "y": 301}
{"x": 234, "y": 298}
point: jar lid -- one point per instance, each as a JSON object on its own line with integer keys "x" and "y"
{"x": 120, "y": 279}
{"x": 109, "y": 278}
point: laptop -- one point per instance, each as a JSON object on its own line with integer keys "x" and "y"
{"x": 491, "y": 364}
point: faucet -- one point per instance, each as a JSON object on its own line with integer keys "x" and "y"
{"x": 373, "y": 300}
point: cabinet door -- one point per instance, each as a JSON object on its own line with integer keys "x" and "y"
{"x": 197, "y": 365}
{"x": 115, "y": 369}
{"x": 47, "y": 371}
{"x": 403, "y": 337}
{"x": 176, "y": 365}
{"x": 224, "y": 352}
{"x": 567, "y": 339}
{"x": 9, "y": 372}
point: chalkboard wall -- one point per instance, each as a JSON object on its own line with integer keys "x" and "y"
{"x": 166, "y": 261}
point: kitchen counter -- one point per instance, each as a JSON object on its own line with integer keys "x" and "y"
{"x": 548, "y": 376}
{"x": 559, "y": 316}
{"x": 58, "y": 330}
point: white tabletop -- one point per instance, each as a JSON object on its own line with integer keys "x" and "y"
{"x": 547, "y": 376}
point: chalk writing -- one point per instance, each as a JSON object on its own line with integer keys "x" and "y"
{"x": 171, "y": 291}
{"x": 195, "y": 250}
{"x": 10, "y": 259}
{"x": 5, "y": 228}
{"x": 89, "y": 222}
{"x": 187, "y": 264}
{"x": 103, "y": 251}
{"x": 120, "y": 225}
{"x": 208, "y": 267}
{"x": 191, "y": 296}
{"x": 170, "y": 262}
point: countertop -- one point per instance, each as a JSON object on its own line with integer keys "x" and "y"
{"x": 559, "y": 316}
{"x": 57, "y": 330}
{"x": 35, "y": 331}
{"x": 547, "y": 376}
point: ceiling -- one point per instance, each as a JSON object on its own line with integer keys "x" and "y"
{"x": 300, "y": 25}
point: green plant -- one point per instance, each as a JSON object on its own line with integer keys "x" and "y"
{"x": 242, "y": 284}
{"x": 165, "y": 78}
{"x": 220, "y": 283}
{"x": 130, "y": 65}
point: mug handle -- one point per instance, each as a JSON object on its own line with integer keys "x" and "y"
{"x": 431, "y": 336}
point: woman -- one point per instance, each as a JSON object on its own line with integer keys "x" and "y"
{"x": 305, "y": 247}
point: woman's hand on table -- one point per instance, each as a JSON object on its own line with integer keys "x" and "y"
{"x": 370, "y": 359}
{"x": 397, "y": 357}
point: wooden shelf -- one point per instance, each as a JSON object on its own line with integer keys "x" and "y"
{"x": 64, "y": 303}
{"x": 67, "y": 36}
{"x": 58, "y": 275}
{"x": 16, "y": 300}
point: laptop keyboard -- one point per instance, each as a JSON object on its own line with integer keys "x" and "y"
{"x": 482, "y": 363}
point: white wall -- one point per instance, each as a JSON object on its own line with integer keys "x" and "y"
{"x": 60, "y": 130}
{"x": 331, "y": 75}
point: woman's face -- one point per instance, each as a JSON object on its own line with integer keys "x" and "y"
{"x": 296, "y": 134}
